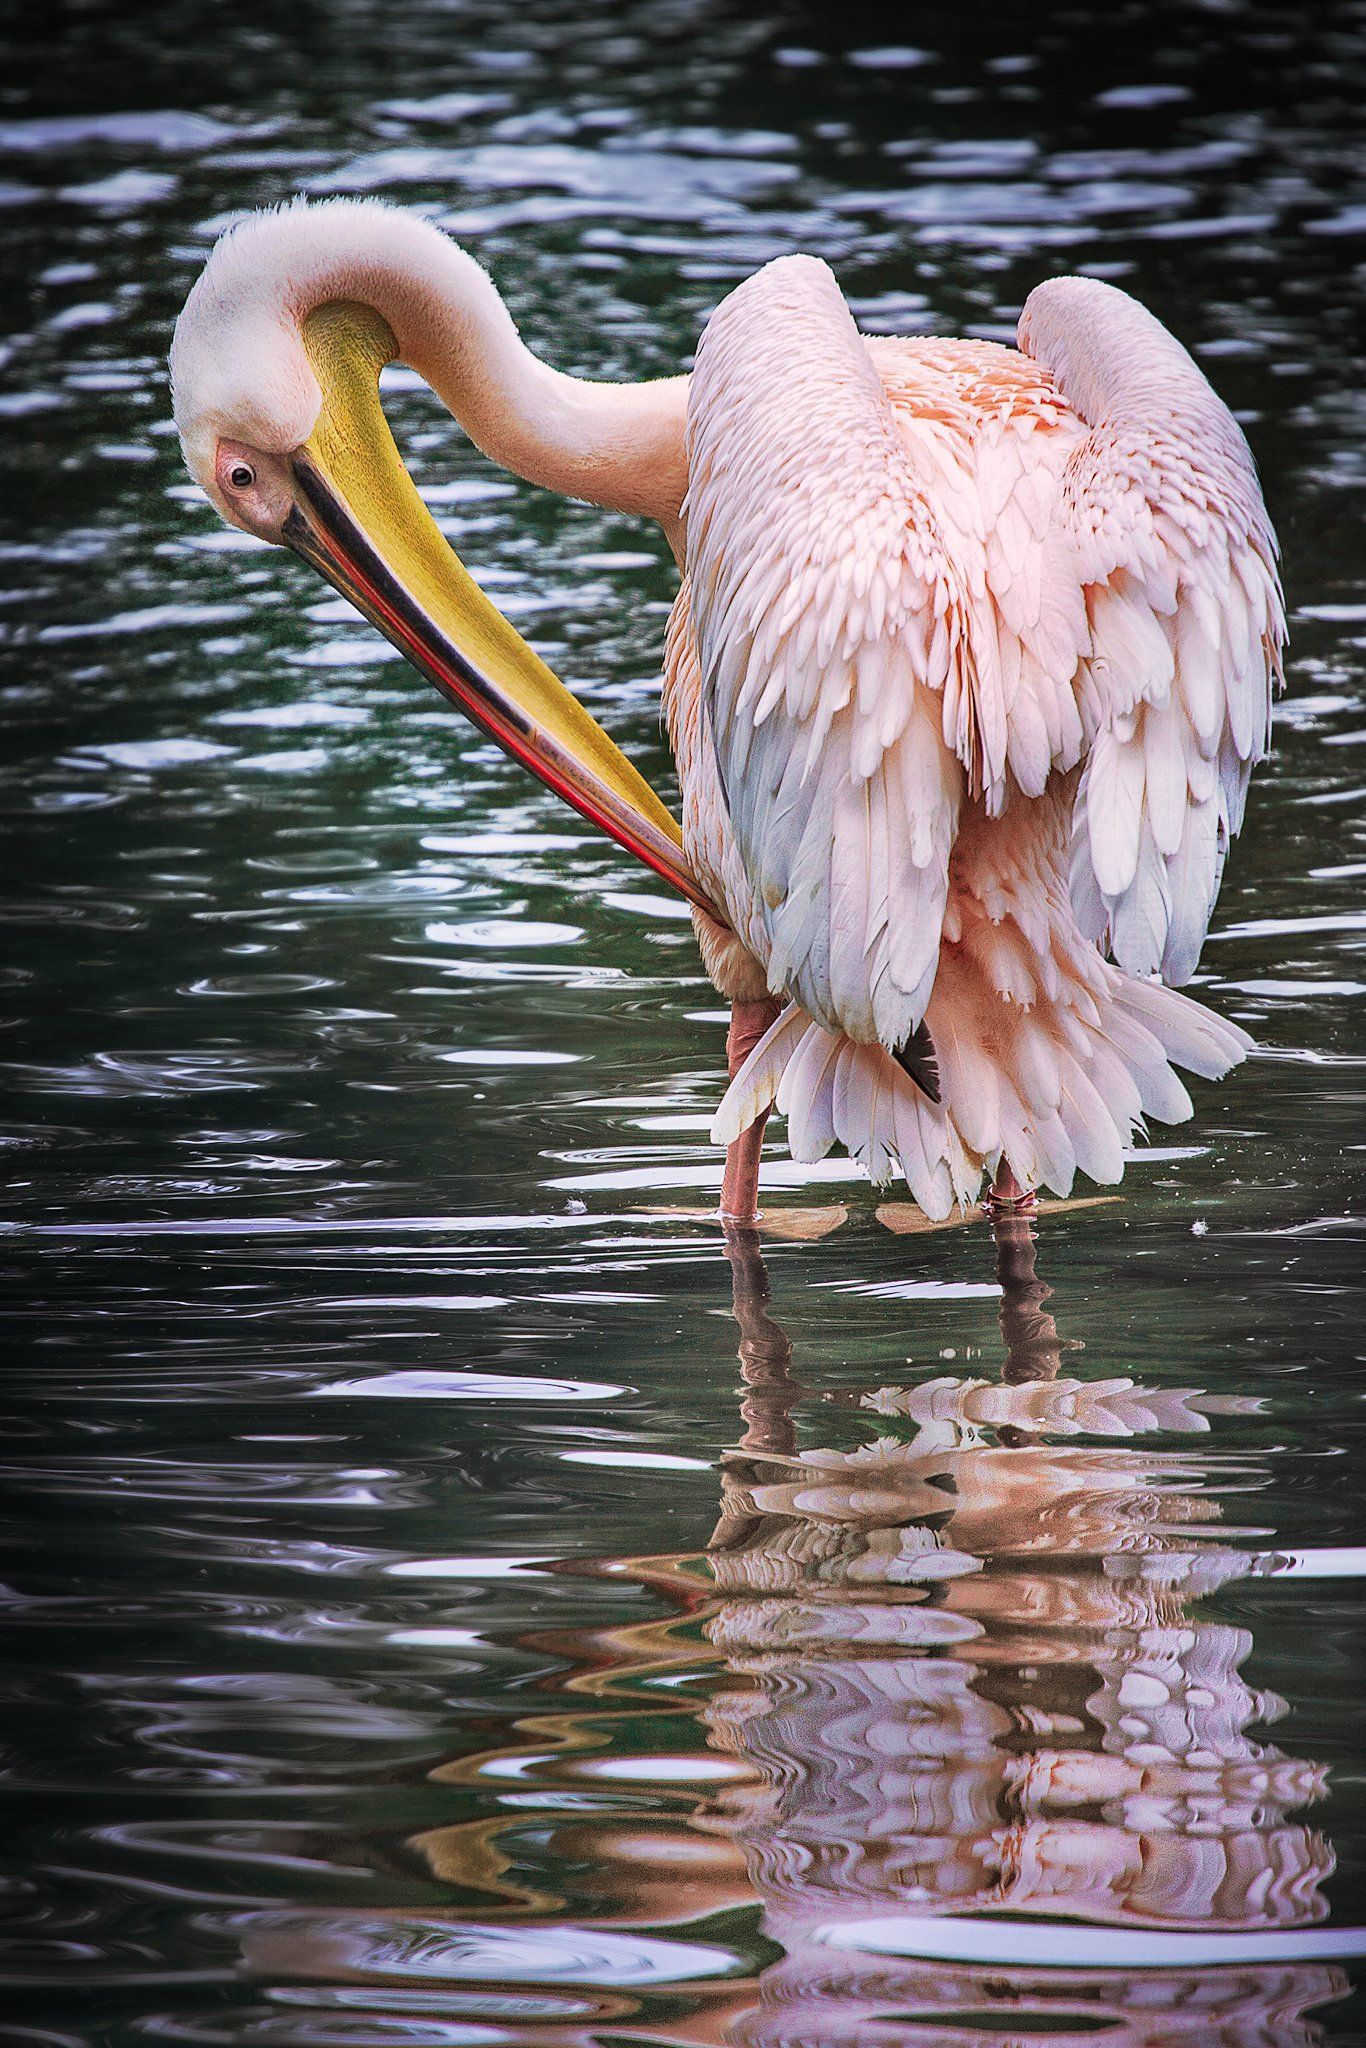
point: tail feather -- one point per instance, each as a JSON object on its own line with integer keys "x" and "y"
{"x": 1045, "y": 1089}
{"x": 809, "y": 1084}
{"x": 754, "y": 1088}
{"x": 1097, "y": 1138}
{"x": 1055, "y": 1156}
{"x": 921, "y": 1147}
{"x": 1190, "y": 1035}
{"x": 1161, "y": 1095}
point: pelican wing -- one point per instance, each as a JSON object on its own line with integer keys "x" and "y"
{"x": 1177, "y": 562}
{"x": 833, "y": 640}
{"x": 990, "y": 434}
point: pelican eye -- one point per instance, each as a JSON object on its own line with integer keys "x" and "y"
{"x": 241, "y": 476}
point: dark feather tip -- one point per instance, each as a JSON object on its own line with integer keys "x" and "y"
{"x": 917, "y": 1058}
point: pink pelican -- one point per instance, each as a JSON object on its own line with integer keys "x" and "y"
{"x": 969, "y": 666}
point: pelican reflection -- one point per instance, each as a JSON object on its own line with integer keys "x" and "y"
{"x": 963, "y": 1662}
{"x": 942, "y": 1714}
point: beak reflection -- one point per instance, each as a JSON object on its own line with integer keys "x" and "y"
{"x": 359, "y": 520}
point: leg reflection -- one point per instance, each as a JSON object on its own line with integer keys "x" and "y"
{"x": 1033, "y": 1347}
{"x": 771, "y": 1392}
{"x": 963, "y": 1669}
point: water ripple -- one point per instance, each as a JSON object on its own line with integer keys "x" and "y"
{"x": 424, "y": 1628}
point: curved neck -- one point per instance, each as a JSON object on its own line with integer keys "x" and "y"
{"x": 617, "y": 445}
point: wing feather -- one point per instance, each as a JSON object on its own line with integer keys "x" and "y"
{"x": 1177, "y": 562}
{"x": 833, "y": 638}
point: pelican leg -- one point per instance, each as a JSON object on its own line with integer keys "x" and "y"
{"x": 740, "y": 1182}
{"x": 1006, "y": 1193}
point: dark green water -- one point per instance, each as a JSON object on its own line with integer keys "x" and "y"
{"x": 422, "y": 1628}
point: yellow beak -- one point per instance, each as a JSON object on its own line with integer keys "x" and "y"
{"x": 358, "y": 518}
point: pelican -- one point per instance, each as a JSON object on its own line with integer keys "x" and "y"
{"x": 970, "y": 662}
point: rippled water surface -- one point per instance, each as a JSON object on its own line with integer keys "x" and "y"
{"x": 448, "y": 1600}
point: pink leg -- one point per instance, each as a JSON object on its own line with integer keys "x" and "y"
{"x": 740, "y": 1183}
{"x": 1005, "y": 1192}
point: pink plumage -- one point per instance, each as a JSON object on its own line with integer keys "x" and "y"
{"x": 969, "y": 670}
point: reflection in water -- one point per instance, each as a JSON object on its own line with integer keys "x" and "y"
{"x": 304, "y": 1314}
{"x": 970, "y": 1681}
{"x": 953, "y": 1681}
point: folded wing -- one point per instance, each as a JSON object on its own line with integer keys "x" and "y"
{"x": 1177, "y": 561}
{"x": 834, "y": 642}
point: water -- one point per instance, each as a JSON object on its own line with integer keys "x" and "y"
{"x": 447, "y": 1602}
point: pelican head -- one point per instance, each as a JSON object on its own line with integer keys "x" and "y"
{"x": 246, "y": 393}
{"x": 275, "y": 371}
